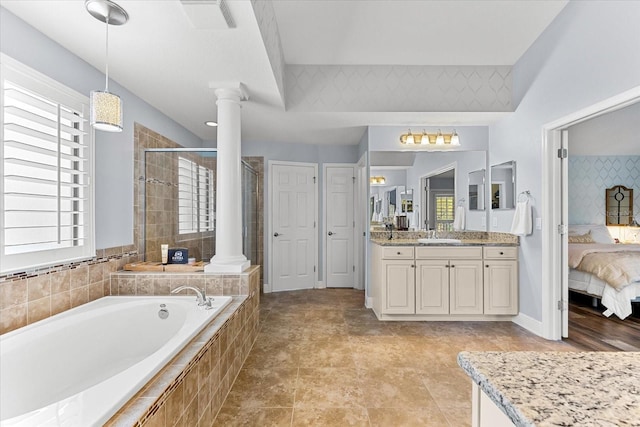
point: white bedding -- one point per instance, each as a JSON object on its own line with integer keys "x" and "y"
{"x": 616, "y": 302}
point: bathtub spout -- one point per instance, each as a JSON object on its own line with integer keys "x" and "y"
{"x": 200, "y": 295}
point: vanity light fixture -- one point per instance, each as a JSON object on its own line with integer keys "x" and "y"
{"x": 106, "y": 107}
{"x": 426, "y": 139}
{"x": 377, "y": 180}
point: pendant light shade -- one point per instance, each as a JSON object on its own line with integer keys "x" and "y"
{"x": 106, "y": 111}
{"x": 106, "y": 107}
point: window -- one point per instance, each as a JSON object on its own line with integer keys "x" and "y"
{"x": 46, "y": 155}
{"x": 444, "y": 212}
{"x": 195, "y": 197}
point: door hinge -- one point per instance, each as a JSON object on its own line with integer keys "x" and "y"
{"x": 354, "y": 179}
{"x": 314, "y": 268}
{"x": 314, "y": 179}
{"x": 562, "y": 305}
{"x": 562, "y": 229}
{"x": 563, "y": 153}
{"x": 354, "y": 224}
{"x": 354, "y": 268}
{"x": 314, "y": 224}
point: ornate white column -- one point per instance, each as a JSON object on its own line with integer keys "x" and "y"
{"x": 228, "y": 257}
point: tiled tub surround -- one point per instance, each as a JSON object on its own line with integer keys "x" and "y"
{"x": 29, "y": 296}
{"x": 110, "y": 360}
{"x": 190, "y": 390}
{"x": 559, "y": 388}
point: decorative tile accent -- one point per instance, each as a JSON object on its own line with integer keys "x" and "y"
{"x": 590, "y": 176}
{"x": 398, "y": 88}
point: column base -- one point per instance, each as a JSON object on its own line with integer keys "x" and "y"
{"x": 232, "y": 265}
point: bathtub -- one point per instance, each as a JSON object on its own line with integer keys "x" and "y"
{"x": 80, "y": 367}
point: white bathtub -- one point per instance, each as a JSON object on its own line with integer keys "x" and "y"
{"x": 79, "y": 367}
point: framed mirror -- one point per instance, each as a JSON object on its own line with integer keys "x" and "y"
{"x": 476, "y": 190}
{"x": 619, "y": 205}
{"x": 503, "y": 185}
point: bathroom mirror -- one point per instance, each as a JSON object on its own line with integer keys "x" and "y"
{"x": 476, "y": 190}
{"x": 619, "y": 205}
{"x": 503, "y": 185}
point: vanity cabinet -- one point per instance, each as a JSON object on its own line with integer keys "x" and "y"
{"x": 500, "y": 280}
{"x": 444, "y": 282}
{"x": 449, "y": 280}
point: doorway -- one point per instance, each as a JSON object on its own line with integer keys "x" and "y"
{"x": 293, "y": 219}
{"x": 555, "y": 195}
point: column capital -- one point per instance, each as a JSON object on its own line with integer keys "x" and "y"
{"x": 236, "y": 91}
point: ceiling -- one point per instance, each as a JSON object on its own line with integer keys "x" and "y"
{"x": 160, "y": 57}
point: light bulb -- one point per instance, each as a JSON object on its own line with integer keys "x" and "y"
{"x": 439, "y": 138}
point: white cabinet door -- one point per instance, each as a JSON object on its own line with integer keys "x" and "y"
{"x": 465, "y": 287}
{"x": 294, "y": 238}
{"x": 501, "y": 287}
{"x": 399, "y": 289}
{"x": 432, "y": 287}
{"x": 339, "y": 226}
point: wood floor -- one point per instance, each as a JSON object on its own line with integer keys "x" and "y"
{"x": 590, "y": 330}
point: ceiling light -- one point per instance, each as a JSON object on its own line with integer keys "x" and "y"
{"x": 377, "y": 180}
{"x": 106, "y": 107}
{"x": 427, "y": 139}
{"x": 211, "y": 123}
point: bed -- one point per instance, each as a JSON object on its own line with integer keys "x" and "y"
{"x": 603, "y": 269}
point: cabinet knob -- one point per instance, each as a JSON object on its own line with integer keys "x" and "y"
{"x": 452, "y": 266}
{"x": 487, "y": 265}
{"x": 413, "y": 266}
{"x": 501, "y": 253}
{"x": 398, "y": 253}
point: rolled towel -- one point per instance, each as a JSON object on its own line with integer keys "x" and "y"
{"x": 522, "y": 224}
{"x": 458, "y": 219}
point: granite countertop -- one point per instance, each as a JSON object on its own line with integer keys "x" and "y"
{"x": 463, "y": 242}
{"x": 560, "y": 388}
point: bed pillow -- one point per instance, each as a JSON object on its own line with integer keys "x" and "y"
{"x": 581, "y": 238}
{"x": 599, "y": 232}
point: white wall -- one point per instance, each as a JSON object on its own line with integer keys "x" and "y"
{"x": 587, "y": 54}
{"x": 114, "y": 151}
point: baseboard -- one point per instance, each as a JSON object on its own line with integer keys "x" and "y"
{"x": 266, "y": 288}
{"x": 320, "y": 284}
{"x": 368, "y": 302}
{"x": 529, "y": 323}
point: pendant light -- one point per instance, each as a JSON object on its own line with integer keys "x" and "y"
{"x": 106, "y": 107}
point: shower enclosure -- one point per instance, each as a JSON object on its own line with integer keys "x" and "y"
{"x": 180, "y": 198}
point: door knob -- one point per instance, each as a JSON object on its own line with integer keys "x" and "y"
{"x": 330, "y": 233}
{"x": 276, "y": 234}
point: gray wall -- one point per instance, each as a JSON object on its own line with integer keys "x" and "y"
{"x": 114, "y": 151}
{"x": 587, "y": 54}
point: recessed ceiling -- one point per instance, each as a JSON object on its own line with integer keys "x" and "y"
{"x": 160, "y": 57}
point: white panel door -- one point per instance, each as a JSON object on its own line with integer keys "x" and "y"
{"x": 339, "y": 226}
{"x": 294, "y": 237}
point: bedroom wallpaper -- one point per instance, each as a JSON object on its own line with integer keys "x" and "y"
{"x": 589, "y": 176}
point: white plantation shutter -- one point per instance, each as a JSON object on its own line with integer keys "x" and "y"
{"x": 47, "y": 200}
{"x": 195, "y": 197}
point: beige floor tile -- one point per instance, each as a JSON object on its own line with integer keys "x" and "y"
{"x": 418, "y": 417}
{"x": 326, "y": 352}
{"x": 330, "y": 417}
{"x": 328, "y": 388}
{"x": 263, "y": 388}
{"x": 395, "y": 388}
{"x": 449, "y": 388}
{"x": 263, "y": 417}
{"x": 274, "y": 351}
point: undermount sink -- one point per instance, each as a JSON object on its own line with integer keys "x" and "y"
{"x": 438, "y": 241}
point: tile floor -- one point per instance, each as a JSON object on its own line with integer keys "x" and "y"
{"x": 322, "y": 359}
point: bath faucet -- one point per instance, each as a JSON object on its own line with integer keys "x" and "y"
{"x": 203, "y": 301}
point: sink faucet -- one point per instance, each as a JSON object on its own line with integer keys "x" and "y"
{"x": 203, "y": 301}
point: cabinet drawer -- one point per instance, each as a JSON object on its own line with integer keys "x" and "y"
{"x": 449, "y": 252}
{"x": 500, "y": 252}
{"x": 397, "y": 252}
